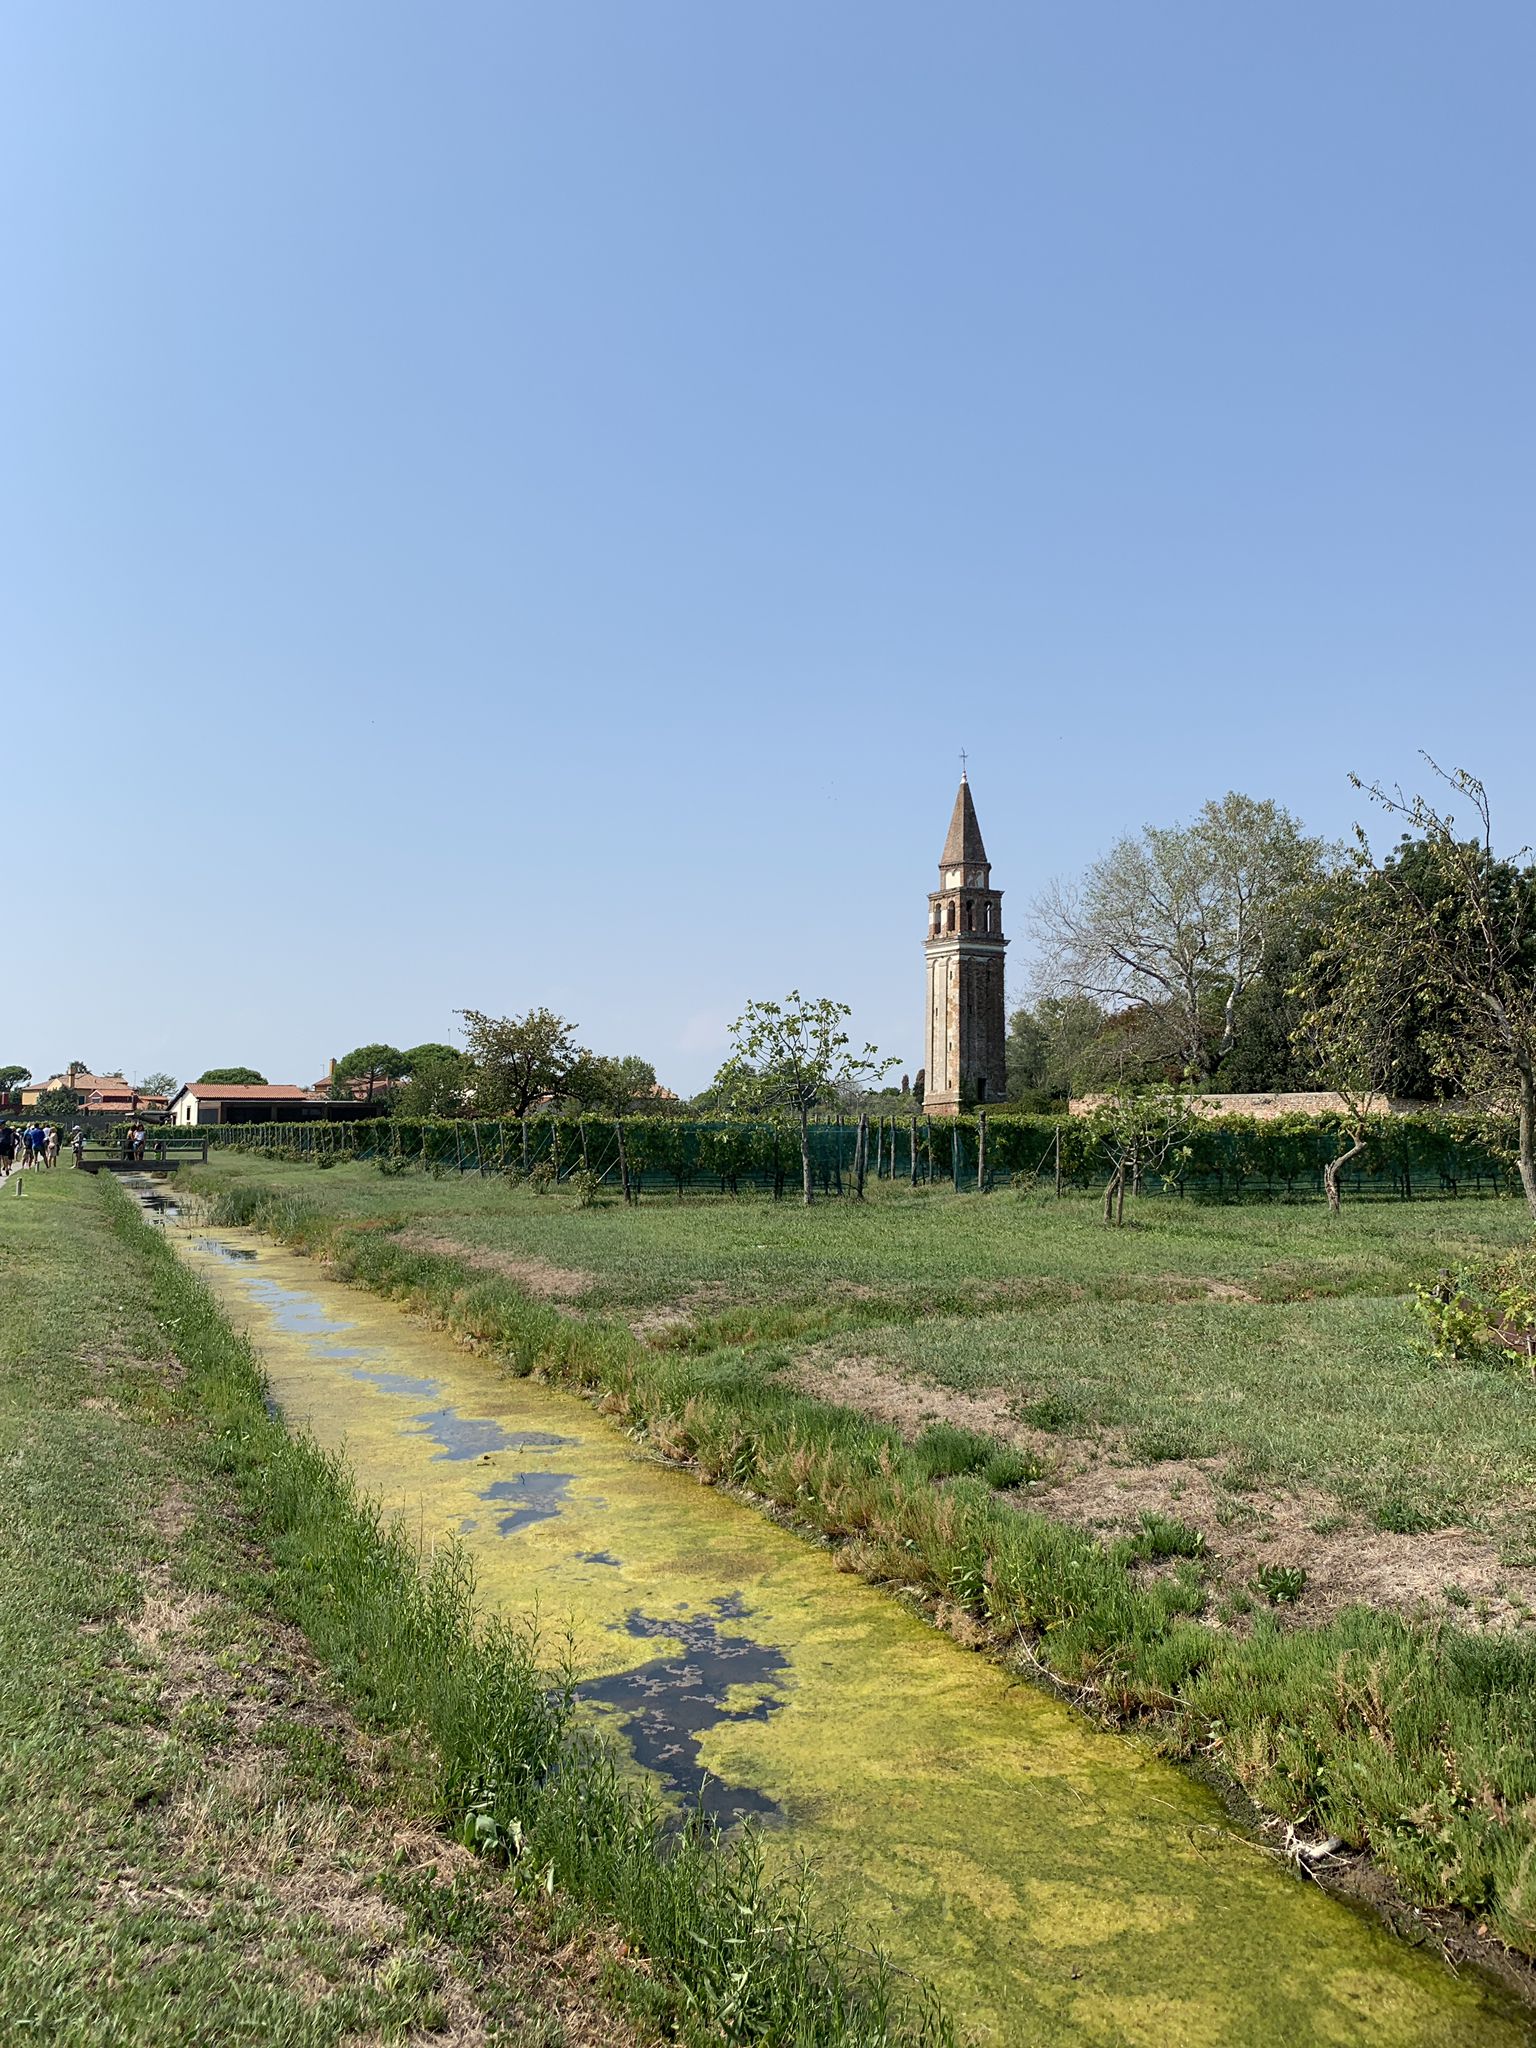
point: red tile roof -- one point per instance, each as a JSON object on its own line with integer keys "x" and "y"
{"x": 236, "y": 1091}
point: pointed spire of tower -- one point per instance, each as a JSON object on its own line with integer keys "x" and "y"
{"x": 963, "y": 847}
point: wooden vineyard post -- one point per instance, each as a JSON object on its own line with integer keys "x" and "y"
{"x": 861, "y": 1154}
{"x": 1058, "y": 1162}
{"x": 956, "y": 1154}
{"x": 879, "y": 1145}
{"x": 981, "y": 1151}
{"x": 581, "y": 1132}
{"x": 554, "y": 1147}
{"x": 205, "y": 1148}
{"x": 479, "y": 1155}
{"x": 458, "y": 1147}
{"x": 501, "y": 1146}
{"x": 524, "y": 1122}
{"x": 618, "y": 1132}
{"x": 914, "y": 1152}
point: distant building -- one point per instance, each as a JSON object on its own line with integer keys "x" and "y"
{"x": 101, "y": 1094}
{"x": 218, "y": 1102}
{"x": 965, "y": 1031}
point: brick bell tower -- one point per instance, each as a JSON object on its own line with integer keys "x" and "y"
{"x": 965, "y": 1032}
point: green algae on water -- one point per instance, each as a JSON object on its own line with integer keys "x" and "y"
{"x": 1056, "y": 1883}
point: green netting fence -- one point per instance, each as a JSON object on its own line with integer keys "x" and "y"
{"x": 1230, "y": 1159}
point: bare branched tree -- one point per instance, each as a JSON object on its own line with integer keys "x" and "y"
{"x": 1181, "y": 919}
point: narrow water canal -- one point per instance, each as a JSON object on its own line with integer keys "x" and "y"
{"x": 1056, "y": 1883}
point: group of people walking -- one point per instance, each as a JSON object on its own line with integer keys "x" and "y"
{"x": 39, "y": 1145}
{"x": 34, "y": 1145}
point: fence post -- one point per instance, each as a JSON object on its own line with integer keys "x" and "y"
{"x": 956, "y": 1155}
{"x": 618, "y": 1131}
{"x": 913, "y": 1161}
{"x": 981, "y": 1151}
{"x": 581, "y": 1132}
{"x": 479, "y": 1155}
{"x": 861, "y": 1154}
{"x": 205, "y": 1148}
{"x": 458, "y": 1147}
{"x": 1058, "y": 1160}
{"x": 879, "y": 1145}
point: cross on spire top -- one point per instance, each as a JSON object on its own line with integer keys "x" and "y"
{"x": 964, "y": 757}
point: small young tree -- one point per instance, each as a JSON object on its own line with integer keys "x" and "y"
{"x": 1139, "y": 1131}
{"x": 519, "y": 1059}
{"x": 158, "y": 1084}
{"x": 791, "y": 1058}
{"x": 1353, "y": 997}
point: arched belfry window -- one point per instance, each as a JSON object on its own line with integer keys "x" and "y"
{"x": 951, "y": 916}
{"x": 987, "y": 917}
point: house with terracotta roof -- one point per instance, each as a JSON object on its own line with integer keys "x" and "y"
{"x": 220, "y": 1102}
{"x": 101, "y": 1094}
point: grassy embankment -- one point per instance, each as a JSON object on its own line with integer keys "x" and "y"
{"x": 236, "y": 1712}
{"x": 1259, "y": 1364}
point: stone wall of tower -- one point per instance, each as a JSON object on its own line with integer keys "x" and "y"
{"x": 965, "y": 1028}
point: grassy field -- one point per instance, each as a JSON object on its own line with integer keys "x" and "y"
{"x": 1262, "y": 1358}
{"x": 248, "y": 1733}
{"x": 201, "y": 1844}
{"x": 1204, "y": 1469}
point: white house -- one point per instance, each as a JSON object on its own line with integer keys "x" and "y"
{"x": 217, "y": 1102}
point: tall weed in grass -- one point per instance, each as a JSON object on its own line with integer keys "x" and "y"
{"x": 1418, "y": 1743}
{"x": 739, "y": 1956}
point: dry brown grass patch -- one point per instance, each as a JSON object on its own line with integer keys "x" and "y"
{"x": 538, "y": 1277}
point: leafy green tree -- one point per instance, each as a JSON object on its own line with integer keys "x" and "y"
{"x": 1457, "y": 933}
{"x": 57, "y": 1102}
{"x": 792, "y": 1058}
{"x": 232, "y": 1077}
{"x": 519, "y": 1060}
{"x": 611, "y": 1085}
{"x": 438, "y": 1081}
{"x": 421, "y": 1055}
{"x": 13, "y": 1077}
{"x": 1050, "y": 1049}
{"x": 370, "y": 1063}
{"x": 158, "y": 1084}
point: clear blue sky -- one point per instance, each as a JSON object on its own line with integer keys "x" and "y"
{"x": 505, "y": 504}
